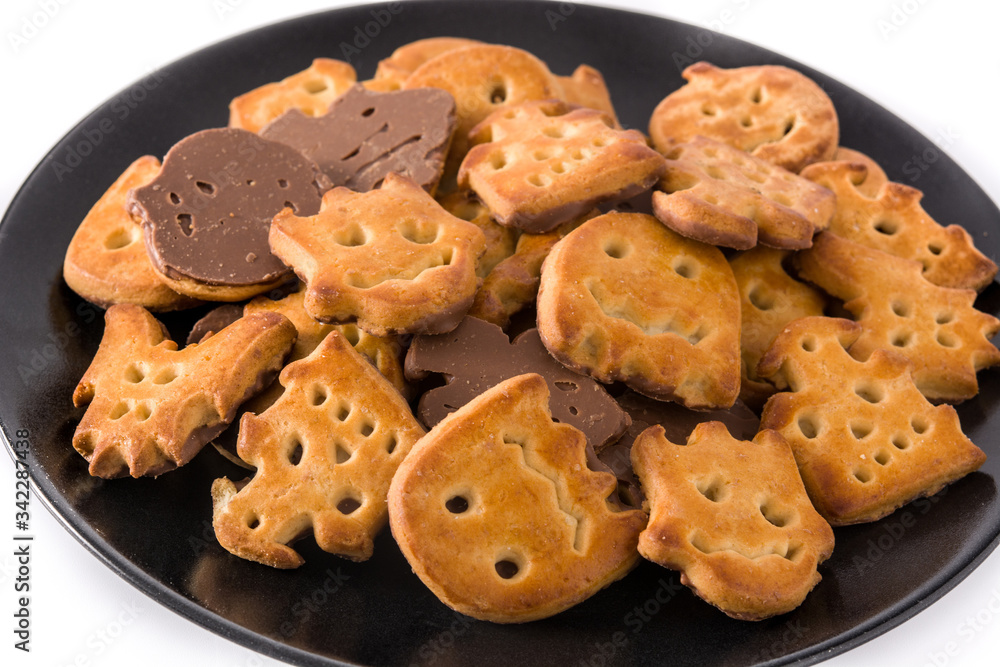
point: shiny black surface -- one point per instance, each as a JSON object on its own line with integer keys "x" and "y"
{"x": 157, "y": 533}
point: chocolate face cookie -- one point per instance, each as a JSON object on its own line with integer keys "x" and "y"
{"x": 206, "y": 215}
{"x": 366, "y": 135}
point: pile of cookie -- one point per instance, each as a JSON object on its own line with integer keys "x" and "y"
{"x": 460, "y": 298}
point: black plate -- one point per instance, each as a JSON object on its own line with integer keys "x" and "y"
{"x": 157, "y": 533}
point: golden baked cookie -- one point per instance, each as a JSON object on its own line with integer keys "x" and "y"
{"x": 623, "y": 298}
{"x": 865, "y": 439}
{"x": 512, "y": 285}
{"x": 720, "y": 195}
{"x": 152, "y": 407}
{"x": 383, "y": 352}
{"x": 498, "y": 514}
{"x": 500, "y": 240}
{"x": 392, "y": 258}
{"x": 106, "y": 261}
{"x": 311, "y": 91}
{"x": 325, "y": 453}
{"x": 775, "y": 113}
{"x": 936, "y": 328}
{"x": 538, "y": 165}
{"x": 483, "y": 78}
{"x": 769, "y": 300}
{"x": 733, "y": 517}
{"x": 398, "y": 67}
{"x": 892, "y": 220}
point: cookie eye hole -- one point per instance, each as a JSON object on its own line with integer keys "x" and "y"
{"x": 882, "y": 457}
{"x": 344, "y": 411}
{"x": 887, "y": 227}
{"x": 756, "y": 96}
{"x": 861, "y": 429}
{"x": 774, "y": 515}
{"x": 205, "y": 188}
{"x": 341, "y": 454}
{"x": 808, "y": 344}
{"x": 457, "y": 504}
{"x": 617, "y": 249}
{"x": 760, "y": 299}
{"x": 282, "y": 183}
{"x": 712, "y": 489}
{"x": 253, "y": 522}
{"x": 419, "y": 234}
{"x": 174, "y": 199}
{"x": 943, "y": 318}
{"x": 498, "y": 160}
{"x": 348, "y": 505}
{"x": 707, "y": 110}
{"x": 368, "y": 112}
{"x": 553, "y": 132}
{"x": 314, "y": 86}
{"x": 134, "y": 375}
{"x": 498, "y": 93}
{"x": 507, "y": 569}
{"x": 317, "y": 395}
{"x": 295, "y": 456}
{"x": 900, "y": 441}
{"x": 901, "y": 308}
{"x": 868, "y": 391}
{"x": 685, "y": 268}
{"x": 808, "y": 426}
{"x": 935, "y": 248}
{"x": 946, "y": 339}
{"x": 919, "y": 425}
{"x": 390, "y": 445}
{"x": 566, "y": 385}
{"x": 142, "y": 412}
{"x": 863, "y": 475}
{"x": 120, "y": 238}
{"x": 366, "y": 429}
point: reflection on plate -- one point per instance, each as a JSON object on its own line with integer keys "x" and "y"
{"x": 157, "y": 533}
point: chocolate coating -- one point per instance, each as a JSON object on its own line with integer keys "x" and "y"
{"x": 478, "y": 355}
{"x": 365, "y": 135}
{"x": 206, "y": 216}
{"x": 213, "y": 322}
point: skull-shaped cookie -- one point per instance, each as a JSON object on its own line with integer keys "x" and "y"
{"x": 498, "y": 514}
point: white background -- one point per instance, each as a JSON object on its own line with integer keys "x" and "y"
{"x": 933, "y": 63}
